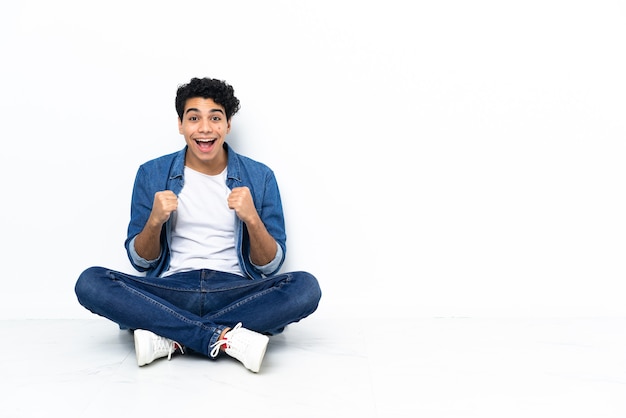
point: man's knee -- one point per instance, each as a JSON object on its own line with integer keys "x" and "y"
{"x": 87, "y": 283}
{"x": 310, "y": 289}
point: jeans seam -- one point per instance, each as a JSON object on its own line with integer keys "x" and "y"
{"x": 250, "y": 298}
{"x": 163, "y": 307}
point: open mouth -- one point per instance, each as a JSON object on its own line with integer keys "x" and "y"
{"x": 205, "y": 144}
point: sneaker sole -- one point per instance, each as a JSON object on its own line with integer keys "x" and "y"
{"x": 257, "y": 365}
{"x": 142, "y": 346}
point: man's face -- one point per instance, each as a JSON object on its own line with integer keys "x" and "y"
{"x": 204, "y": 127}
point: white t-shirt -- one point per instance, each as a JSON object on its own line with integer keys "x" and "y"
{"x": 203, "y": 227}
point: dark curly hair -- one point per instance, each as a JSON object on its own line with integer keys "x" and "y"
{"x": 207, "y": 88}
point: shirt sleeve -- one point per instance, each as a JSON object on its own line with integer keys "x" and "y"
{"x": 273, "y": 265}
{"x": 137, "y": 259}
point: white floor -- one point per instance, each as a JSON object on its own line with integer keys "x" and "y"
{"x": 320, "y": 368}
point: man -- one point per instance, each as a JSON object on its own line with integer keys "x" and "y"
{"x": 207, "y": 229}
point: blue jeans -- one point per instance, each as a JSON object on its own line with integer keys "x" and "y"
{"x": 193, "y": 308}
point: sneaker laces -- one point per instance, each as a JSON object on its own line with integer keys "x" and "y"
{"x": 217, "y": 345}
{"x": 164, "y": 344}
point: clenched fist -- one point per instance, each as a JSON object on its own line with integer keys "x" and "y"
{"x": 164, "y": 204}
{"x": 240, "y": 200}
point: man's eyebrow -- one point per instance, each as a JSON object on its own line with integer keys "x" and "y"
{"x": 193, "y": 109}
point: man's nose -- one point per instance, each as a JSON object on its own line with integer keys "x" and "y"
{"x": 205, "y": 126}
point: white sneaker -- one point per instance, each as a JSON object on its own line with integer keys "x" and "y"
{"x": 246, "y": 346}
{"x": 149, "y": 347}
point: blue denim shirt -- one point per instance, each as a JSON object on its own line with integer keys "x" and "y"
{"x": 166, "y": 173}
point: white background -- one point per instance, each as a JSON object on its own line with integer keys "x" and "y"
{"x": 436, "y": 158}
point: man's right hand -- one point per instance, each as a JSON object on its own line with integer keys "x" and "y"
{"x": 148, "y": 241}
{"x": 165, "y": 203}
